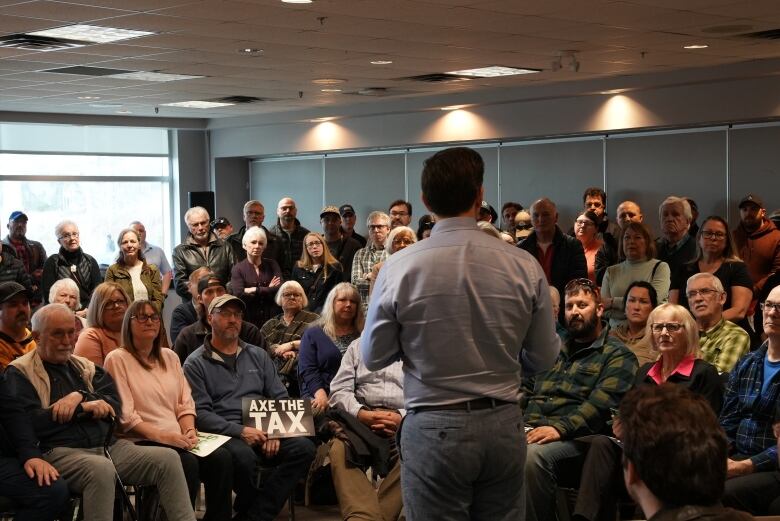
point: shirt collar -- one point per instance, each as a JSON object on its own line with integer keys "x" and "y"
{"x": 684, "y": 368}
{"x": 451, "y": 224}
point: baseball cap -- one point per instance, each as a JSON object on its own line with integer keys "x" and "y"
{"x": 224, "y": 299}
{"x": 486, "y": 207}
{"x": 17, "y": 215}
{"x": 221, "y": 222}
{"x": 751, "y": 198}
{"x": 208, "y": 281}
{"x": 346, "y": 209}
{"x": 523, "y": 225}
{"x": 329, "y": 209}
{"x": 10, "y": 289}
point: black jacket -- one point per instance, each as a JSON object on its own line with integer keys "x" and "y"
{"x": 191, "y": 338}
{"x": 568, "y": 259}
{"x": 316, "y": 286}
{"x": 188, "y": 256}
{"x": 79, "y": 266}
{"x": 273, "y": 247}
{"x": 36, "y": 255}
{"x": 291, "y": 246}
{"x": 183, "y": 315}
{"x": 12, "y": 270}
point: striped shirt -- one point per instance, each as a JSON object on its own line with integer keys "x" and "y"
{"x": 723, "y": 344}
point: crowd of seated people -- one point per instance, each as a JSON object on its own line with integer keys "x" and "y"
{"x": 277, "y": 312}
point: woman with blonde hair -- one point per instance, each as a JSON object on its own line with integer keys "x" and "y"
{"x": 104, "y": 322}
{"x": 318, "y": 271}
{"x": 324, "y": 343}
{"x": 157, "y": 406}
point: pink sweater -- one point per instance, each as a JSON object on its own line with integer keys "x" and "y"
{"x": 94, "y": 343}
{"x": 157, "y": 396}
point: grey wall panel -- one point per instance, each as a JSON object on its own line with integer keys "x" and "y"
{"x": 231, "y": 188}
{"x": 191, "y": 161}
{"x": 559, "y": 170}
{"x": 414, "y": 168}
{"x": 300, "y": 179}
{"x": 754, "y": 157}
{"x": 649, "y": 168}
{"x": 368, "y": 183}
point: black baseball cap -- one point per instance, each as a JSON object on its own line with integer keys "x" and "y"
{"x": 10, "y": 289}
{"x": 751, "y": 199}
{"x": 346, "y": 209}
{"x": 208, "y": 281}
{"x": 221, "y": 222}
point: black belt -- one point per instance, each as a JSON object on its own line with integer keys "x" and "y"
{"x": 471, "y": 405}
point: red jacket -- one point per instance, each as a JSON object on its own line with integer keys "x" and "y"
{"x": 760, "y": 250}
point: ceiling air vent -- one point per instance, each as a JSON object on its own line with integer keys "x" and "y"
{"x": 437, "y": 77}
{"x": 38, "y": 43}
{"x": 238, "y": 100}
{"x": 88, "y": 71}
{"x": 772, "y": 34}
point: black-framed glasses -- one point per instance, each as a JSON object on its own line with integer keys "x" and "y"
{"x": 768, "y": 306}
{"x": 116, "y": 304}
{"x": 713, "y": 235}
{"x": 705, "y": 292}
{"x": 672, "y": 327}
{"x": 66, "y": 236}
{"x": 143, "y": 318}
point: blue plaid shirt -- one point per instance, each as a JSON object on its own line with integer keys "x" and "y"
{"x": 748, "y": 413}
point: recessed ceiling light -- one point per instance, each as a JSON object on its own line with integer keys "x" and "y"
{"x": 696, "y": 46}
{"x": 454, "y": 107}
{"x": 250, "y": 51}
{"x": 89, "y": 98}
{"x": 494, "y": 71}
{"x": 322, "y": 120}
{"x": 381, "y": 62}
{"x": 296, "y": 1}
{"x": 330, "y": 90}
{"x": 613, "y": 91}
{"x": 328, "y": 81}
{"x": 153, "y": 76}
{"x": 91, "y": 33}
{"x": 198, "y": 104}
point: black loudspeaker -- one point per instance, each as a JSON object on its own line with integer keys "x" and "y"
{"x": 204, "y": 199}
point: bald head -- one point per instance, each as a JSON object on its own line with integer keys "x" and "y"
{"x": 628, "y": 212}
{"x": 544, "y": 216}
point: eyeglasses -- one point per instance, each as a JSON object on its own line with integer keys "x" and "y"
{"x": 66, "y": 236}
{"x": 316, "y": 243}
{"x": 402, "y": 240}
{"x": 576, "y": 284}
{"x": 583, "y": 222}
{"x": 671, "y": 327}
{"x": 527, "y": 226}
{"x": 229, "y": 314}
{"x": 377, "y": 226}
{"x": 713, "y": 235}
{"x": 143, "y": 319}
{"x": 291, "y": 295}
{"x": 767, "y": 307}
{"x": 706, "y": 292}
{"x": 116, "y": 304}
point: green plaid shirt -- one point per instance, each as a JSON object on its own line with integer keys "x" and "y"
{"x": 576, "y": 395}
{"x": 723, "y": 344}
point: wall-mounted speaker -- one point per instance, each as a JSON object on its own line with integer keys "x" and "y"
{"x": 204, "y": 199}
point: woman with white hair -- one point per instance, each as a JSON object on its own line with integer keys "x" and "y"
{"x": 71, "y": 263}
{"x": 256, "y": 279}
{"x": 399, "y": 238}
{"x": 324, "y": 343}
{"x": 282, "y": 334}
{"x": 65, "y": 291}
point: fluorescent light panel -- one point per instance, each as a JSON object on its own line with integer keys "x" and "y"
{"x": 152, "y": 76}
{"x": 493, "y": 71}
{"x": 91, "y": 33}
{"x": 198, "y": 104}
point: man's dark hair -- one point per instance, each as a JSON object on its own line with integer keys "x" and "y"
{"x": 510, "y": 204}
{"x": 595, "y": 191}
{"x": 673, "y": 438}
{"x": 642, "y": 284}
{"x": 451, "y": 180}
{"x": 399, "y": 202}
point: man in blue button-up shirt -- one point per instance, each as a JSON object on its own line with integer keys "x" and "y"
{"x": 467, "y": 314}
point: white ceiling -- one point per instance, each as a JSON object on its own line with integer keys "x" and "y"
{"x": 339, "y": 39}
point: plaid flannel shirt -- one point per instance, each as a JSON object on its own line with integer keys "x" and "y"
{"x": 723, "y": 344}
{"x": 576, "y": 395}
{"x": 362, "y": 264}
{"x": 748, "y": 413}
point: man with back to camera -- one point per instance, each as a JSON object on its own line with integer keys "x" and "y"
{"x": 673, "y": 455}
{"x": 462, "y": 442}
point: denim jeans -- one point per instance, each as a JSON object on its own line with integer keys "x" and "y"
{"x": 463, "y": 465}
{"x": 546, "y": 467}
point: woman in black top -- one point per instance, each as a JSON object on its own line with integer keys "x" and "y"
{"x": 71, "y": 263}
{"x": 317, "y": 272}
